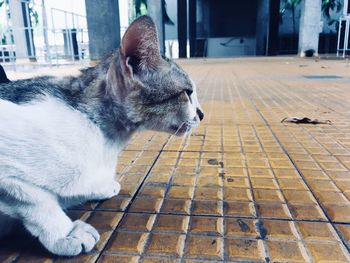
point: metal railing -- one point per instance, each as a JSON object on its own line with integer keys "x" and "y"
{"x": 62, "y": 40}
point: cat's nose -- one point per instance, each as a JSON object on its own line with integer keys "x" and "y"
{"x": 200, "y": 114}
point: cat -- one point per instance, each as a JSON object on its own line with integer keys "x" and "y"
{"x": 60, "y": 137}
{"x": 3, "y": 77}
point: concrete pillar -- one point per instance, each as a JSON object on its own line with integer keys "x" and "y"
{"x": 273, "y": 40}
{"x": 192, "y": 27}
{"x": 182, "y": 27}
{"x": 155, "y": 10}
{"x": 262, "y": 27}
{"x": 103, "y": 27}
{"x": 309, "y": 30}
{"x": 18, "y": 28}
{"x": 346, "y": 7}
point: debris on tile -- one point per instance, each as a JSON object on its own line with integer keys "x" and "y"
{"x": 305, "y": 120}
{"x": 244, "y": 227}
{"x": 213, "y": 162}
{"x": 262, "y": 230}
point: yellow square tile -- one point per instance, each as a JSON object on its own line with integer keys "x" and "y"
{"x": 172, "y": 246}
{"x": 207, "y": 208}
{"x": 276, "y": 155}
{"x": 206, "y": 225}
{"x": 162, "y": 169}
{"x": 306, "y": 211}
{"x": 146, "y": 205}
{"x": 344, "y": 231}
{"x": 239, "y": 209}
{"x": 207, "y": 247}
{"x": 130, "y": 181}
{"x": 183, "y": 192}
{"x": 327, "y": 252}
{"x": 281, "y": 164}
{"x": 138, "y": 169}
{"x": 316, "y": 231}
{"x": 212, "y": 181}
{"x": 244, "y": 249}
{"x": 190, "y": 155}
{"x": 188, "y": 162}
{"x": 268, "y": 195}
{"x": 322, "y": 185}
{"x": 343, "y": 185}
{"x": 282, "y": 251}
{"x": 314, "y": 174}
{"x": 338, "y": 213}
{"x": 105, "y": 220}
{"x": 252, "y": 149}
{"x": 184, "y": 180}
{"x": 311, "y": 165}
{"x": 339, "y": 175}
{"x": 127, "y": 242}
{"x": 301, "y": 157}
{"x": 179, "y": 206}
{"x": 144, "y": 161}
{"x": 260, "y": 172}
{"x": 327, "y": 197}
{"x": 229, "y": 156}
{"x": 258, "y": 163}
{"x": 211, "y": 155}
{"x": 279, "y": 229}
{"x": 264, "y": 183}
{"x": 158, "y": 179}
{"x": 237, "y": 194}
{"x": 239, "y": 182}
{"x": 235, "y": 172}
{"x": 274, "y": 150}
{"x": 186, "y": 170}
{"x": 172, "y": 223}
{"x": 240, "y": 227}
{"x": 292, "y": 184}
{"x": 238, "y": 163}
{"x": 166, "y": 161}
{"x": 209, "y": 171}
{"x": 333, "y": 166}
{"x": 299, "y": 197}
{"x": 206, "y": 193}
{"x": 141, "y": 222}
{"x": 272, "y": 210}
{"x": 152, "y": 191}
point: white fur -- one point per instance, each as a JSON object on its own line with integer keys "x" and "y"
{"x": 52, "y": 156}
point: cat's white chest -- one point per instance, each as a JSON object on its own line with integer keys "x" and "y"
{"x": 54, "y": 146}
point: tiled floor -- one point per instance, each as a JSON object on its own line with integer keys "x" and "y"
{"x": 243, "y": 186}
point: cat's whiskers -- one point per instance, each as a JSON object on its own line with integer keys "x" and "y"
{"x": 178, "y": 129}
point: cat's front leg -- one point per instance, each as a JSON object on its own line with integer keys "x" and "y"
{"x": 105, "y": 190}
{"x": 43, "y": 217}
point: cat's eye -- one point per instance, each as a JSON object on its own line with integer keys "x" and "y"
{"x": 189, "y": 92}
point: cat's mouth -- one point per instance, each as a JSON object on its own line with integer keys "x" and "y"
{"x": 181, "y": 129}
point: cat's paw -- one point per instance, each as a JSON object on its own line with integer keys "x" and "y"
{"x": 107, "y": 191}
{"x": 82, "y": 238}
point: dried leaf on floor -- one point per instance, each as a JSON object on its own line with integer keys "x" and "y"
{"x": 305, "y": 120}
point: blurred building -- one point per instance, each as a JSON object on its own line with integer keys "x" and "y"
{"x": 65, "y": 31}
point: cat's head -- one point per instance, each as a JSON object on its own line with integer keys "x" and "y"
{"x": 156, "y": 93}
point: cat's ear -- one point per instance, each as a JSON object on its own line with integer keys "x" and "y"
{"x": 139, "y": 47}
